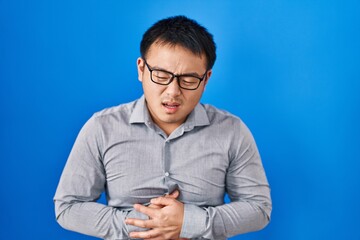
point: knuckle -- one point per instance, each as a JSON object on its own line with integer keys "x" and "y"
{"x": 160, "y": 215}
{"x": 166, "y": 236}
{"x": 143, "y": 224}
{"x": 160, "y": 198}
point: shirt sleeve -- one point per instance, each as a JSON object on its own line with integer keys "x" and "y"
{"x": 248, "y": 190}
{"x": 81, "y": 184}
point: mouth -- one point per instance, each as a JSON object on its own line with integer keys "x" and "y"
{"x": 171, "y": 107}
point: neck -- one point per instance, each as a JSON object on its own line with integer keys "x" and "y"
{"x": 169, "y": 129}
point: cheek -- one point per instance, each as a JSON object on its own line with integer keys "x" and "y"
{"x": 151, "y": 91}
{"x": 196, "y": 95}
{"x": 193, "y": 98}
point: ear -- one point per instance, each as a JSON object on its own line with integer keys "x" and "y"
{"x": 140, "y": 67}
{"x": 208, "y": 75}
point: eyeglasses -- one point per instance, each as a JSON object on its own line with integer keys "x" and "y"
{"x": 185, "y": 81}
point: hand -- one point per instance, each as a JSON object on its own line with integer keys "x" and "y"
{"x": 166, "y": 217}
{"x": 175, "y": 194}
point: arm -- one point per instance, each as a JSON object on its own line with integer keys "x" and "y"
{"x": 249, "y": 192}
{"x": 81, "y": 184}
{"x": 249, "y": 210}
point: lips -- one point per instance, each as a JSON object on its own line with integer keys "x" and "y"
{"x": 171, "y": 107}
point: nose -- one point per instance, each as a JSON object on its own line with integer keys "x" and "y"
{"x": 173, "y": 88}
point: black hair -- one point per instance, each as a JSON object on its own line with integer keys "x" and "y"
{"x": 180, "y": 30}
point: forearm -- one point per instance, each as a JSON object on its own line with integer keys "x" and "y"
{"x": 236, "y": 218}
{"x": 224, "y": 221}
{"x": 95, "y": 219}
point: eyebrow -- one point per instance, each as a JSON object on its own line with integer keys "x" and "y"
{"x": 183, "y": 74}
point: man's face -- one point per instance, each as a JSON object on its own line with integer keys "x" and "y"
{"x": 170, "y": 105}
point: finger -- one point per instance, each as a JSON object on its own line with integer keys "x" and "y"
{"x": 175, "y": 194}
{"x": 154, "y": 206}
{"x": 165, "y": 201}
{"x": 150, "y": 234}
{"x": 156, "y": 238}
{"x": 139, "y": 222}
{"x": 151, "y": 212}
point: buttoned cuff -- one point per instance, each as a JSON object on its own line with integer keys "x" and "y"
{"x": 194, "y": 223}
{"x": 138, "y": 215}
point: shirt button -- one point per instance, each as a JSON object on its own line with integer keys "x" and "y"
{"x": 167, "y": 174}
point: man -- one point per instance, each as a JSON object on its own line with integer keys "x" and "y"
{"x": 165, "y": 161}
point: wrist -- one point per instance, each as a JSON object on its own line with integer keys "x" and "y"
{"x": 194, "y": 221}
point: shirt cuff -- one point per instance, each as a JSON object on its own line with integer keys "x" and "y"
{"x": 137, "y": 215}
{"x": 194, "y": 223}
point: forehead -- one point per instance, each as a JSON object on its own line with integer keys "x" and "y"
{"x": 169, "y": 55}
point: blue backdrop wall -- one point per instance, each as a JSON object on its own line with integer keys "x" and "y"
{"x": 289, "y": 69}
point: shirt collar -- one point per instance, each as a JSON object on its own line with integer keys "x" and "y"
{"x": 198, "y": 117}
{"x": 140, "y": 113}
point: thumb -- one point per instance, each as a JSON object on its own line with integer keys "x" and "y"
{"x": 175, "y": 194}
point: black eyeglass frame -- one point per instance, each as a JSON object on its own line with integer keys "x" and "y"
{"x": 173, "y": 76}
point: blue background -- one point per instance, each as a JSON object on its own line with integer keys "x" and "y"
{"x": 289, "y": 69}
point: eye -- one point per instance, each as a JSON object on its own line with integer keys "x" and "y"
{"x": 188, "y": 80}
{"x": 161, "y": 76}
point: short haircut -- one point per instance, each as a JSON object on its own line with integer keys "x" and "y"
{"x": 180, "y": 30}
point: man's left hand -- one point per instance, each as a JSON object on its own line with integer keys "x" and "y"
{"x": 164, "y": 223}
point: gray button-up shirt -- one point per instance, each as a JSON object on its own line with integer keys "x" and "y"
{"x": 122, "y": 152}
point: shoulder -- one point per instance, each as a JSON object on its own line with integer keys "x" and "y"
{"x": 121, "y": 109}
{"x": 231, "y": 130}
{"x": 119, "y": 112}
{"x": 111, "y": 117}
{"x": 219, "y": 116}
{"x": 226, "y": 123}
